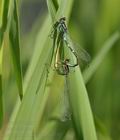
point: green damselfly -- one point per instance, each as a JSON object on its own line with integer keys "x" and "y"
{"x": 63, "y": 64}
{"x": 60, "y": 33}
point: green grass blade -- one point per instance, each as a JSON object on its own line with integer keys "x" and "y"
{"x": 15, "y": 49}
{"x": 4, "y": 15}
{"x": 52, "y": 9}
{"x": 102, "y": 132}
{"x": 55, "y": 3}
{"x": 38, "y": 50}
{"x": 101, "y": 55}
{"x": 1, "y": 100}
{"x": 3, "y": 25}
{"x": 80, "y": 105}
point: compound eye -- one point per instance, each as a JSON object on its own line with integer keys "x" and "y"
{"x": 63, "y": 19}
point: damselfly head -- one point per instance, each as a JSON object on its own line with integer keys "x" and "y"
{"x": 63, "y": 19}
{"x": 67, "y": 60}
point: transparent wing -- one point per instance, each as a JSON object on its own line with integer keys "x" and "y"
{"x": 83, "y": 56}
{"x": 66, "y": 116}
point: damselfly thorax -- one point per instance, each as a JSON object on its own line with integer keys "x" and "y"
{"x": 61, "y": 25}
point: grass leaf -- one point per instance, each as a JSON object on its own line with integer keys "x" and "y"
{"x": 4, "y": 21}
{"x": 1, "y": 100}
{"x": 88, "y": 73}
{"x": 52, "y": 9}
{"x": 80, "y": 105}
{"x": 15, "y": 49}
{"x": 3, "y": 25}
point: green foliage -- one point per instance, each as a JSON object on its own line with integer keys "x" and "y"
{"x": 100, "y": 57}
{"x": 1, "y": 101}
{"x": 94, "y": 24}
{"x": 9, "y": 17}
{"x": 15, "y": 48}
{"x": 3, "y": 26}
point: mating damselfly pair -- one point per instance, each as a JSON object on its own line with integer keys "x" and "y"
{"x": 62, "y": 43}
{"x": 61, "y": 38}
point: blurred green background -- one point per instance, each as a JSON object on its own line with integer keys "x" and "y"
{"x": 91, "y": 23}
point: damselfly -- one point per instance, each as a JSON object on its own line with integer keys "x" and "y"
{"x": 60, "y": 33}
{"x": 62, "y": 63}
